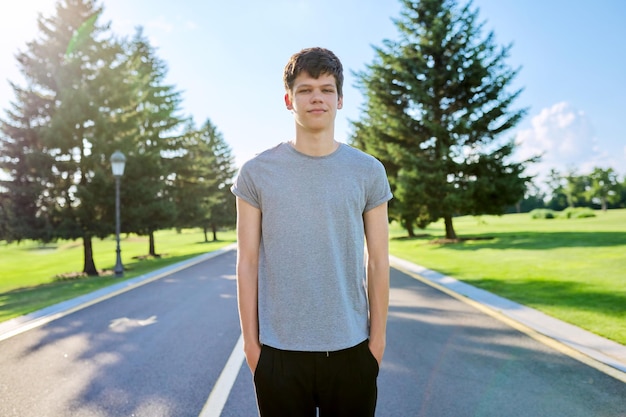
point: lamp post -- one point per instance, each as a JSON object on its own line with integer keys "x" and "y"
{"x": 118, "y": 161}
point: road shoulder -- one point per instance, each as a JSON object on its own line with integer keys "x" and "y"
{"x": 589, "y": 348}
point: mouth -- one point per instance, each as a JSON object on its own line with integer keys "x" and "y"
{"x": 317, "y": 111}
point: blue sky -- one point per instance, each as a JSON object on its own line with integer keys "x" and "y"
{"x": 227, "y": 59}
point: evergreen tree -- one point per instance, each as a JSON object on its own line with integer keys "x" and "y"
{"x": 534, "y": 198}
{"x": 151, "y": 121}
{"x": 5, "y": 218}
{"x": 204, "y": 176}
{"x": 437, "y": 105}
{"x": 60, "y": 131}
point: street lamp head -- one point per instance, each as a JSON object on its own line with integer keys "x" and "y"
{"x": 118, "y": 161}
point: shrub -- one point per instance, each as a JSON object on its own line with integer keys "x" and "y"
{"x": 542, "y": 214}
{"x": 577, "y": 213}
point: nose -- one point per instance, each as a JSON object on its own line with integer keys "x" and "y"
{"x": 316, "y": 97}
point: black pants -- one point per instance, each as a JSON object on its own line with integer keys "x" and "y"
{"x": 294, "y": 384}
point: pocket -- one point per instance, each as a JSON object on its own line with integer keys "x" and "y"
{"x": 258, "y": 364}
{"x": 372, "y": 360}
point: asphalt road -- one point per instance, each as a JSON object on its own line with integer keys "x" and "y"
{"x": 158, "y": 350}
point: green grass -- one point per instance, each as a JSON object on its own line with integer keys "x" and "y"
{"x": 31, "y": 272}
{"x": 572, "y": 269}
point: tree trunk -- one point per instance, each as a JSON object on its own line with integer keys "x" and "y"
{"x": 603, "y": 204}
{"x": 214, "y": 230}
{"x": 408, "y": 226}
{"x": 206, "y": 238}
{"x": 450, "y": 233}
{"x": 89, "y": 266}
{"x": 151, "y": 250}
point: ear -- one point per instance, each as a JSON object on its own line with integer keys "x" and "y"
{"x": 288, "y": 102}
{"x": 340, "y": 102}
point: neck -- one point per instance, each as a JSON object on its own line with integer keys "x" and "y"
{"x": 315, "y": 144}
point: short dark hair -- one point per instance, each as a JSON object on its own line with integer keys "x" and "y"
{"x": 315, "y": 62}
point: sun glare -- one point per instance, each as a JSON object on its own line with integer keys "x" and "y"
{"x": 21, "y": 17}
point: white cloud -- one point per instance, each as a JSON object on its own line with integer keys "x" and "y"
{"x": 565, "y": 138}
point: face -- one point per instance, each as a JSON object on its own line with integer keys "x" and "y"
{"x": 314, "y": 102}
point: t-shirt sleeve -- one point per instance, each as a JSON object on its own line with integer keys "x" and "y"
{"x": 244, "y": 187}
{"x": 379, "y": 190}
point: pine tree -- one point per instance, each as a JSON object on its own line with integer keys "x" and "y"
{"x": 436, "y": 108}
{"x": 152, "y": 121}
{"x": 60, "y": 131}
{"x": 203, "y": 178}
{"x": 222, "y": 211}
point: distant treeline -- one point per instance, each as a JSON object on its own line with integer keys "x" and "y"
{"x": 602, "y": 189}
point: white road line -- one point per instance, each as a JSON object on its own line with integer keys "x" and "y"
{"x": 217, "y": 399}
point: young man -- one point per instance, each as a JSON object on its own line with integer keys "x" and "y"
{"x": 313, "y": 315}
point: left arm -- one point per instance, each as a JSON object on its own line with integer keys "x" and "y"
{"x": 377, "y": 240}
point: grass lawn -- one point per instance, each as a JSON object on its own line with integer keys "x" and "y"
{"x": 31, "y": 272}
{"x": 572, "y": 269}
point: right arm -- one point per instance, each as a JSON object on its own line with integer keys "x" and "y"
{"x": 248, "y": 242}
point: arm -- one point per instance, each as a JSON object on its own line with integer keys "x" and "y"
{"x": 377, "y": 238}
{"x": 248, "y": 241}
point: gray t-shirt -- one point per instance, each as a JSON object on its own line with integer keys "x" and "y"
{"x": 312, "y": 282}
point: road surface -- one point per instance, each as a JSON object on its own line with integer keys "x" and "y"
{"x": 158, "y": 350}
